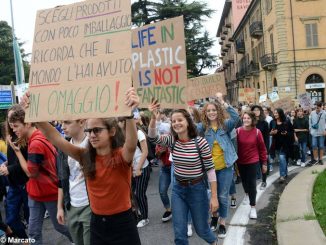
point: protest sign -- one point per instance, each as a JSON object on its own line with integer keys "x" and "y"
{"x": 247, "y": 95}
{"x": 273, "y": 96}
{"x": 263, "y": 98}
{"x": 205, "y": 86}
{"x": 305, "y": 101}
{"x": 159, "y": 63}
{"x": 81, "y": 66}
{"x": 286, "y": 104}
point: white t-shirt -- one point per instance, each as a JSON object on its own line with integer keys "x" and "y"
{"x": 141, "y": 136}
{"x": 268, "y": 119}
{"x": 77, "y": 185}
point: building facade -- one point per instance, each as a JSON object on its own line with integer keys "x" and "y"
{"x": 279, "y": 46}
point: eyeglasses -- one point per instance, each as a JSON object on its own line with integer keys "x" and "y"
{"x": 96, "y": 130}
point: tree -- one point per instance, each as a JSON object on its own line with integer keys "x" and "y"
{"x": 7, "y": 62}
{"x": 197, "y": 42}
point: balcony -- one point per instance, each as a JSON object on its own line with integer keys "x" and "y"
{"x": 256, "y": 29}
{"x": 231, "y": 40}
{"x": 240, "y": 46}
{"x": 253, "y": 69}
{"x": 225, "y": 49}
{"x": 231, "y": 58}
{"x": 220, "y": 42}
{"x": 228, "y": 25}
{"x": 223, "y": 38}
{"x": 228, "y": 45}
{"x": 269, "y": 62}
{"x": 222, "y": 54}
{"x": 225, "y": 31}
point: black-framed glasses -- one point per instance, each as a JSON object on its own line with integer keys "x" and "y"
{"x": 96, "y": 130}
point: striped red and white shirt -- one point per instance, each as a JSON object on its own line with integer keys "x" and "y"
{"x": 186, "y": 160}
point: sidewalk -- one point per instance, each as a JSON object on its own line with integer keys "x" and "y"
{"x": 295, "y": 222}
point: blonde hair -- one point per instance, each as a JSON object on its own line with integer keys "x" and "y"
{"x": 221, "y": 117}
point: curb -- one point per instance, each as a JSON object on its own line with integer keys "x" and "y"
{"x": 295, "y": 221}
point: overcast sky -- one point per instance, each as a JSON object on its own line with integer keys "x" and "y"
{"x": 25, "y": 12}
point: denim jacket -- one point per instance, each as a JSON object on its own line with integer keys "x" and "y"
{"x": 222, "y": 136}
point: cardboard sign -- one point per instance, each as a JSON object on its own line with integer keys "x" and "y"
{"x": 81, "y": 66}
{"x": 263, "y": 98}
{"x": 247, "y": 95}
{"x": 305, "y": 101}
{"x": 286, "y": 104}
{"x": 205, "y": 86}
{"x": 159, "y": 63}
{"x": 273, "y": 96}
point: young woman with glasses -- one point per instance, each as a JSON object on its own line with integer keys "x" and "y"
{"x": 107, "y": 166}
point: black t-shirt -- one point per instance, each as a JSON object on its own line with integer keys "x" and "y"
{"x": 301, "y": 123}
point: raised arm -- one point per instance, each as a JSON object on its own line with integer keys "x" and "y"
{"x": 234, "y": 116}
{"x": 129, "y": 147}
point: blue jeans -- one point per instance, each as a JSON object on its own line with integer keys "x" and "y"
{"x": 283, "y": 164}
{"x": 317, "y": 142}
{"x": 164, "y": 183}
{"x": 224, "y": 179}
{"x": 37, "y": 211}
{"x": 233, "y": 190}
{"x": 303, "y": 150}
{"x": 193, "y": 198}
{"x": 16, "y": 198}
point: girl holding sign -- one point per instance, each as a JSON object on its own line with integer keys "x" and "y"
{"x": 107, "y": 167}
{"x": 193, "y": 167}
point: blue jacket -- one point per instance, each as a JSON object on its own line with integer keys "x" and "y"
{"x": 222, "y": 136}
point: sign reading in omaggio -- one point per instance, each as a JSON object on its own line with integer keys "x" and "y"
{"x": 81, "y": 66}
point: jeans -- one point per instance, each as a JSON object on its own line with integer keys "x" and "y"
{"x": 303, "y": 150}
{"x": 116, "y": 229}
{"x": 317, "y": 142}
{"x": 16, "y": 198}
{"x": 164, "y": 183}
{"x": 37, "y": 211}
{"x": 193, "y": 198}
{"x": 224, "y": 179}
{"x": 248, "y": 173}
{"x": 232, "y": 191}
{"x": 283, "y": 164}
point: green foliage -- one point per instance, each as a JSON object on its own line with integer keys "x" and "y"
{"x": 319, "y": 200}
{"x": 197, "y": 42}
{"x": 7, "y": 62}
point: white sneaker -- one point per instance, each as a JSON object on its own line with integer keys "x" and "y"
{"x": 271, "y": 168}
{"x": 303, "y": 164}
{"x": 189, "y": 232}
{"x": 245, "y": 200}
{"x": 142, "y": 223}
{"x": 299, "y": 163}
{"x": 253, "y": 213}
{"x": 46, "y": 214}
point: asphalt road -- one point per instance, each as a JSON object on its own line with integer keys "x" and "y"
{"x": 159, "y": 233}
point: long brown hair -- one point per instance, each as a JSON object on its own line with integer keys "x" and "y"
{"x": 220, "y": 115}
{"x": 192, "y": 130}
{"x": 116, "y": 141}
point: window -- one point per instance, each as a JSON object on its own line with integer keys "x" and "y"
{"x": 268, "y": 6}
{"x": 311, "y": 35}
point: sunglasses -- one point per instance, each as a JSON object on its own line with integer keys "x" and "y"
{"x": 96, "y": 130}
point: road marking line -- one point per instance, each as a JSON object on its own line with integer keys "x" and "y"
{"x": 237, "y": 229}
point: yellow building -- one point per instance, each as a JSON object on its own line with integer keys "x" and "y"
{"x": 280, "y": 46}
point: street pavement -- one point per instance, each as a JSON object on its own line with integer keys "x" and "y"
{"x": 159, "y": 233}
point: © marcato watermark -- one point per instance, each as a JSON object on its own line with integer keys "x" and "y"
{"x": 15, "y": 240}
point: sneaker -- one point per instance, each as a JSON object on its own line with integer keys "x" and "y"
{"x": 303, "y": 164}
{"x": 281, "y": 179}
{"x": 263, "y": 186}
{"x": 299, "y": 163}
{"x": 253, "y": 213}
{"x": 320, "y": 162}
{"x": 233, "y": 203}
{"x": 313, "y": 162}
{"x": 221, "y": 233}
{"x": 167, "y": 216}
{"x": 189, "y": 232}
{"x": 46, "y": 215}
{"x": 142, "y": 223}
{"x": 271, "y": 168}
{"x": 245, "y": 200}
{"x": 214, "y": 223}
